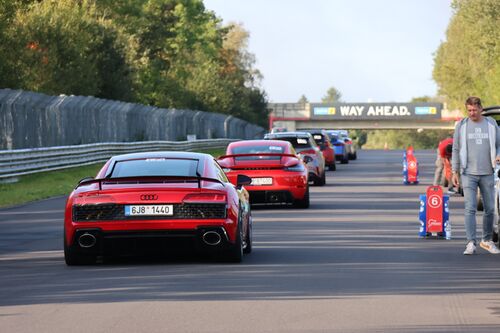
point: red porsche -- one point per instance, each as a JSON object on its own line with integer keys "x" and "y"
{"x": 278, "y": 175}
{"x": 154, "y": 201}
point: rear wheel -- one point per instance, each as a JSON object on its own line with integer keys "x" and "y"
{"x": 304, "y": 202}
{"x": 332, "y": 166}
{"x": 344, "y": 160}
{"x": 322, "y": 180}
{"x": 75, "y": 259}
{"x": 235, "y": 251}
{"x": 496, "y": 225}
{"x": 249, "y": 237}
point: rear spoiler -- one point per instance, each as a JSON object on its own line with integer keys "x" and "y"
{"x": 147, "y": 179}
{"x": 257, "y": 154}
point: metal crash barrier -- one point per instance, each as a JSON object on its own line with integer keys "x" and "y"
{"x": 18, "y": 162}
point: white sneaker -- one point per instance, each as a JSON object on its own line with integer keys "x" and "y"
{"x": 470, "y": 248}
{"x": 490, "y": 247}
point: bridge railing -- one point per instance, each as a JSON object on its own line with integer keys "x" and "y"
{"x": 14, "y": 163}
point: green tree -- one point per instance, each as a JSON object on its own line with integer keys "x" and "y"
{"x": 67, "y": 47}
{"x": 168, "y": 53}
{"x": 468, "y": 61}
{"x": 303, "y": 99}
{"x": 332, "y": 96}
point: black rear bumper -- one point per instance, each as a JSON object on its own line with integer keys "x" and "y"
{"x": 150, "y": 242}
{"x": 270, "y": 197}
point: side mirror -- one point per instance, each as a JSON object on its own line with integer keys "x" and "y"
{"x": 307, "y": 159}
{"x": 243, "y": 180}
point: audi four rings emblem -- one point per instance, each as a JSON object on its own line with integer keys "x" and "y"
{"x": 149, "y": 197}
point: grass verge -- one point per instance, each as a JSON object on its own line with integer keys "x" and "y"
{"x": 49, "y": 184}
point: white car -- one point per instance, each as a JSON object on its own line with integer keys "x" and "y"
{"x": 494, "y": 112}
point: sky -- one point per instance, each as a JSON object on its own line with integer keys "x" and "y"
{"x": 370, "y": 50}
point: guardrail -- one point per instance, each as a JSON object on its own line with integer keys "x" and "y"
{"x": 14, "y": 163}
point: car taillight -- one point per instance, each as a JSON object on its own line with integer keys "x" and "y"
{"x": 204, "y": 198}
{"x": 349, "y": 142}
{"x": 308, "y": 151}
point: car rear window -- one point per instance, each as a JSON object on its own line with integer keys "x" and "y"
{"x": 319, "y": 138}
{"x": 155, "y": 167}
{"x": 269, "y": 149}
{"x": 333, "y": 137}
{"x": 297, "y": 143}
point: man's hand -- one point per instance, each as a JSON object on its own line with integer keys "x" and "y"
{"x": 497, "y": 159}
{"x": 455, "y": 180}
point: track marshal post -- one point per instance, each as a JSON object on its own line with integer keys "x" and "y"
{"x": 434, "y": 214}
{"x": 410, "y": 167}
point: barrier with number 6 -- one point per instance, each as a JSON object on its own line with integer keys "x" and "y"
{"x": 434, "y": 214}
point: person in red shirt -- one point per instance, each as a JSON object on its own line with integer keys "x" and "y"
{"x": 443, "y": 165}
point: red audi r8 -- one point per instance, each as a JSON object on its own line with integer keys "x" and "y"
{"x": 166, "y": 199}
{"x": 278, "y": 175}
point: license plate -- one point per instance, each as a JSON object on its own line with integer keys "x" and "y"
{"x": 148, "y": 210}
{"x": 262, "y": 181}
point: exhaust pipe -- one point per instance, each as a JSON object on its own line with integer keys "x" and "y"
{"x": 87, "y": 240}
{"x": 274, "y": 198}
{"x": 211, "y": 238}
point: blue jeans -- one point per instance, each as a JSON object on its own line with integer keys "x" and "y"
{"x": 486, "y": 184}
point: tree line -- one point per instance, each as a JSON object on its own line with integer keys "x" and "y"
{"x": 467, "y": 63}
{"x": 166, "y": 53}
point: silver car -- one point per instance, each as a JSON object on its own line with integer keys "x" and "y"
{"x": 494, "y": 112}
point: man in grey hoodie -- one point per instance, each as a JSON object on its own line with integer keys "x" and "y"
{"x": 476, "y": 150}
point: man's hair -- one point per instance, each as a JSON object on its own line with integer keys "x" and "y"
{"x": 473, "y": 100}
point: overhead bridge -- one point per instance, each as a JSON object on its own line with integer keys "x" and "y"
{"x": 297, "y": 116}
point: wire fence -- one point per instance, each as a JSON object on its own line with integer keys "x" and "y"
{"x": 32, "y": 120}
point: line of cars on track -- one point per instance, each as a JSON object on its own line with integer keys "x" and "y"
{"x": 164, "y": 200}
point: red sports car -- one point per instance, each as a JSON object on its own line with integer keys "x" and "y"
{"x": 165, "y": 199}
{"x": 278, "y": 175}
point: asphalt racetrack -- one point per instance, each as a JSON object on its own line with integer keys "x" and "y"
{"x": 352, "y": 262}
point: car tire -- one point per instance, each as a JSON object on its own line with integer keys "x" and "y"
{"x": 355, "y": 156}
{"x": 75, "y": 259}
{"x": 235, "y": 252}
{"x": 304, "y": 202}
{"x": 332, "y": 166}
{"x": 322, "y": 180}
{"x": 344, "y": 160}
{"x": 249, "y": 237}
{"x": 497, "y": 222}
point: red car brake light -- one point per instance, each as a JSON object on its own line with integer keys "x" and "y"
{"x": 308, "y": 151}
{"x": 204, "y": 198}
{"x": 349, "y": 142}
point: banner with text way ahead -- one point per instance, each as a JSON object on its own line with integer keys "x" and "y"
{"x": 377, "y": 111}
